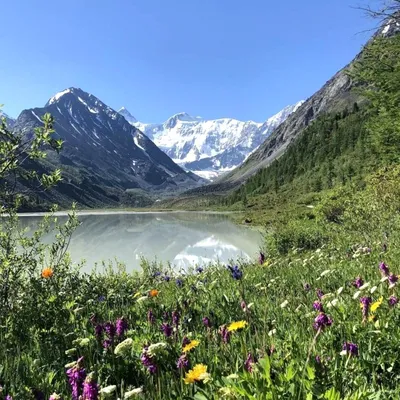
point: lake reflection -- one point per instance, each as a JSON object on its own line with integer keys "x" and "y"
{"x": 182, "y": 238}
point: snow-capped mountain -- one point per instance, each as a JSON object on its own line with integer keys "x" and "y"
{"x": 9, "y": 121}
{"x": 209, "y": 147}
{"x": 102, "y": 152}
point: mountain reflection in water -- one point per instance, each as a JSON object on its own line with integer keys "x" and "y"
{"x": 182, "y": 238}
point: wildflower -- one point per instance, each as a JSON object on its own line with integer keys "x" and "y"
{"x": 243, "y": 305}
{"x": 234, "y": 326}
{"x": 167, "y": 329}
{"x": 98, "y": 330}
{"x": 108, "y": 391}
{"x": 101, "y": 298}
{"x": 365, "y": 304}
{"x": 183, "y": 362}
{"x": 47, "y": 273}
{"x": 393, "y": 300}
{"x": 121, "y": 326}
{"x": 107, "y": 343}
{"x": 90, "y": 388}
{"x": 307, "y": 287}
{"x": 340, "y": 290}
{"x": 261, "y": 258}
{"x": 165, "y": 316}
{"x": 320, "y": 293}
{"x": 179, "y": 282}
{"x": 153, "y": 293}
{"x": 248, "y": 364}
{"x": 156, "y": 348}
{"x": 76, "y": 376}
{"x": 199, "y": 270}
{"x": 148, "y": 362}
{"x": 284, "y": 304}
{"x": 350, "y": 348}
{"x": 235, "y": 272}
{"x": 167, "y": 278}
{"x": 197, "y": 374}
{"x": 365, "y": 286}
{"x": 37, "y": 394}
{"x": 272, "y": 332}
{"x": 393, "y": 279}
{"x": 55, "y": 396}
{"x": 133, "y": 393}
{"x": 376, "y": 305}
{"x": 318, "y": 359}
{"x": 150, "y": 317}
{"x": 175, "y": 318}
{"x": 358, "y": 282}
{"x": 124, "y": 347}
{"x": 317, "y": 305}
{"x": 155, "y": 274}
{"x": 190, "y": 346}
{"x": 225, "y": 333}
{"x": 110, "y": 329}
{"x": 8, "y": 397}
{"x": 384, "y": 269}
{"x": 206, "y": 322}
{"x": 185, "y": 341}
{"x": 322, "y": 321}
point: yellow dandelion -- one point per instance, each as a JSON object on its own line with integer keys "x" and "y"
{"x": 190, "y": 346}
{"x": 376, "y": 305}
{"x": 197, "y": 374}
{"x": 234, "y": 326}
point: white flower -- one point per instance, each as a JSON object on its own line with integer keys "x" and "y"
{"x": 108, "y": 390}
{"x": 343, "y": 353}
{"x": 373, "y": 289}
{"x": 133, "y": 393}
{"x": 366, "y": 285}
{"x": 385, "y": 278}
{"x": 284, "y": 304}
{"x": 332, "y": 303}
{"x": 123, "y": 347}
{"x": 272, "y": 332}
{"x": 340, "y": 290}
{"x": 326, "y": 272}
{"x": 156, "y": 348}
{"x": 356, "y": 294}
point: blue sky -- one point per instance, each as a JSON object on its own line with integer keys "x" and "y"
{"x": 213, "y": 58}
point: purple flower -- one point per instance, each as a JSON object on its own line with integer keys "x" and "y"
{"x": 176, "y": 318}
{"x": 318, "y": 359}
{"x": 358, "y": 282}
{"x": 167, "y": 329}
{"x": 307, "y": 287}
{"x": 110, "y": 329}
{"x": 121, "y": 326}
{"x": 366, "y": 302}
{"x": 179, "y": 282}
{"x": 317, "y": 305}
{"x": 150, "y": 317}
{"x": 101, "y": 298}
{"x": 199, "y": 270}
{"x": 185, "y": 341}
{"x": 183, "y": 362}
{"x": 351, "y": 348}
{"x": 98, "y": 330}
{"x": 393, "y": 278}
{"x": 320, "y": 293}
{"x": 148, "y": 362}
{"x": 261, "y": 258}
{"x": 8, "y": 397}
{"x": 37, "y": 394}
{"x": 235, "y": 272}
{"x": 167, "y": 278}
{"x": 90, "y": 388}
{"x": 225, "y": 334}
{"x": 76, "y": 376}
{"x": 107, "y": 343}
{"x": 206, "y": 322}
{"x": 393, "y": 300}
{"x": 384, "y": 269}
{"x": 322, "y": 321}
{"x": 155, "y": 274}
{"x": 248, "y": 364}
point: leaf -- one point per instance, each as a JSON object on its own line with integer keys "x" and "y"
{"x": 310, "y": 372}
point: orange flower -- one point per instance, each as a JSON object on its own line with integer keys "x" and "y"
{"x": 47, "y": 273}
{"x": 153, "y": 293}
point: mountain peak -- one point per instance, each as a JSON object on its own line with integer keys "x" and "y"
{"x": 127, "y": 115}
{"x": 183, "y": 117}
{"x": 59, "y": 95}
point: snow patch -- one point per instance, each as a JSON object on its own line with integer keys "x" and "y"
{"x": 58, "y": 95}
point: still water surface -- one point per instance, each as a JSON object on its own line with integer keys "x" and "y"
{"x": 182, "y": 238}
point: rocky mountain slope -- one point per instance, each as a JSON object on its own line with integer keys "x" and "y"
{"x": 103, "y": 155}
{"x": 209, "y": 147}
{"x": 9, "y": 121}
